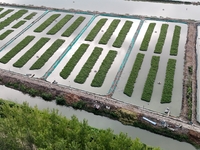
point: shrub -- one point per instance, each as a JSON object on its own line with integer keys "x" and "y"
{"x": 5, "y": 13}
{"x": 20, "y": 23}
{"x": 47, "y": 96}
{"x": 30, "y": 16}
{"x": 5, "y": 34}
{"x": 175, "y": 41}
{"x": 60, "y": 101}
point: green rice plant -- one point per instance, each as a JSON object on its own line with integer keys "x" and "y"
{"x": 175, "y": 41}
{"x": 5, "y": 13}
{"x": 148, "y": 87}
{"x": 13, "y": 17}
{"x": 169, "y": 81}
{"x": 147, "y": 37}
{"x": 86, "y": 69}
{"x": 20, "y": 23}
{"x": 73, "y": 27}
{"x": 105, "y": 38}
{"x": 30, "y": 53}
{"x": 59, "y": 25}
{"x": 46, "y": 23}
{"x": 93, "y": 33}
{"x": 128, "y": 90}
{"x": 47, "y": 54}
{"x": 122, "y": 34}
{"x": 105, "y": 66}
{"x": 30, "y": 16}
{"x": 161, "y": 39}
{"x": 5, "y": 34}
{"x": 6, "y": 58}
{"x": 66, "y": 71}
{"x": 1, "y": 9}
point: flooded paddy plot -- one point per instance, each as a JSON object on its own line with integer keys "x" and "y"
{"x": 135, "y": 96}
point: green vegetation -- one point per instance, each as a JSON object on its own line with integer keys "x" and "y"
{"x": 30, "y": 16}
{"x": 30, "y": 53}
{"x": 13, "y": 17}
{"x": 93, "y": 33}
{"x": 1, "y": 9}
{"x": 86, "y": 69}
{"x": 148, "y": 87}
{"x": 189, "y": 99}
{"x": 147, "y": 37}
{"x": 5, "y": 34}
{"x": 46, "y": 23}
{"x": 122, "y": 34}
{"x": 6, "y": 58}
{"x": 128, "y": 90}
{"x": 161, "y": 39}
{"x": 175, "y": 41}
{"x": 20, "y": 23}
{"x": 60, "y": 24}
{"x": 47, "y": 54}
{"x": 73, "y": 27}
{"x": 105, "y": 66}
{"x": 66, "y": 71}
{"x": 169, "y": 81}
{"x": 105, "y": 38}
{"x": 5, "y": 13}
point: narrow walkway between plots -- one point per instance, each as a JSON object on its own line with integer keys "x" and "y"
{"x": 114, "y": 84}
{"x": 24, "y": 30}
{"x": 45, "y": 76}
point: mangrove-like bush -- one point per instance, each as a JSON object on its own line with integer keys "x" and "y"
{"x": 20, "y": 23}
{"x": 30, "y": 16}
{"x": 5, "y": 34}
{"x": 175, "y": 41}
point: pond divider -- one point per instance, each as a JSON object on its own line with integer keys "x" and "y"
{"x": 55, "y": 64}
{"x": 24, "y": 30}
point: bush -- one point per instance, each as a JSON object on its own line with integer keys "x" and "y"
{"x": 175, "y": 41}
{"x": 47, "y": 96}
{"x": 20, "y": 23}
{"x": 5, "y": 13}
{"x": 30, "y": 16}
{"x": 60, "y": 101}
{"x": 5, "y": 34}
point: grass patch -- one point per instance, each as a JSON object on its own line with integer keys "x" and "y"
{"x": 175, "y": 41}
{"x": 93, "y": 33}
{"x": 5, "y": 13}
{"x": 147, "y": 37}
{"x": 47, "y": 54}
{"x": 1, "y": 9}
{"x": 122, "y": 34}
{"x": 161, "y": 39}
{"x": 148, "y": 87}
{"x": 105, "y": 38}
{"x": 13, "y": 17}
{"x": 128, "y": 90}
{"x": 20, "y": 23}
{"x": 66, "y": 71}
{"x": 6, "y": 58}
{"x": 59, "y": 25}
{"x": 5, "y": 34}
{"x": 86, "y": 69}
{"x": 73, "y": 27}
{"x": 30, "y": 53}
{"x": 105, "y": 66}
{"x": 169, "y": 81}
{"x": 46, "y": 23}
{"x": 30, "y": 16}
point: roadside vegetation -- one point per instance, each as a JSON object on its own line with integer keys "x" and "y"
{"x": 93, "y": 33}
{"x": 122, "y": 34}
{"x": 189, "y": 93}
{"x": 86, "y": 69}
{"x": 73, "y": 27}
{"x": 103, "y": 70}
{"x": 66, "y": 71}
{"x": 147, "y": 37}
{"x": 20, "y": 23}
{"x": 59, "y": 25}
{"x": 30, "y": 53}
{"x": 106, "y": 37}
{"x": 175, "y": 41}
{"x": 128, "y": 90}
{"x": 161, "y": 39}
{"x": 7, "y": 57}
{"x": 5, "y": 13}
{"x": 169, "y": 81}
{"x": 47, "y": 54}
{"x": 46, "y": 23}
{"x": 30, "y": 16}
{"x": 5, "y": 34}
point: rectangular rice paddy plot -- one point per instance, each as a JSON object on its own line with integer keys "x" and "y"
{"x": 3, "y": 14}
{"x": 6, "y": 58}
{"x": 5, "y": 34}
{"x": 1, "y": 9}
{"x": 161, "y": 39}
{"x": 147, "y": 37}
{"x": 20, "y": 23}
{"x": 59, "y": 25}
{"x": 149, "y": 84}
{"x": 73, "y": 27}
{"x": 87, "y": 68}
{"x": 30, "y": 16}
{"x": 93, "y": 33}
{"x": 68, "y": 68}
{"x": 31, "y": 52}
{"x": 175, "y": 41}
{"x": 48, "y": 53}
